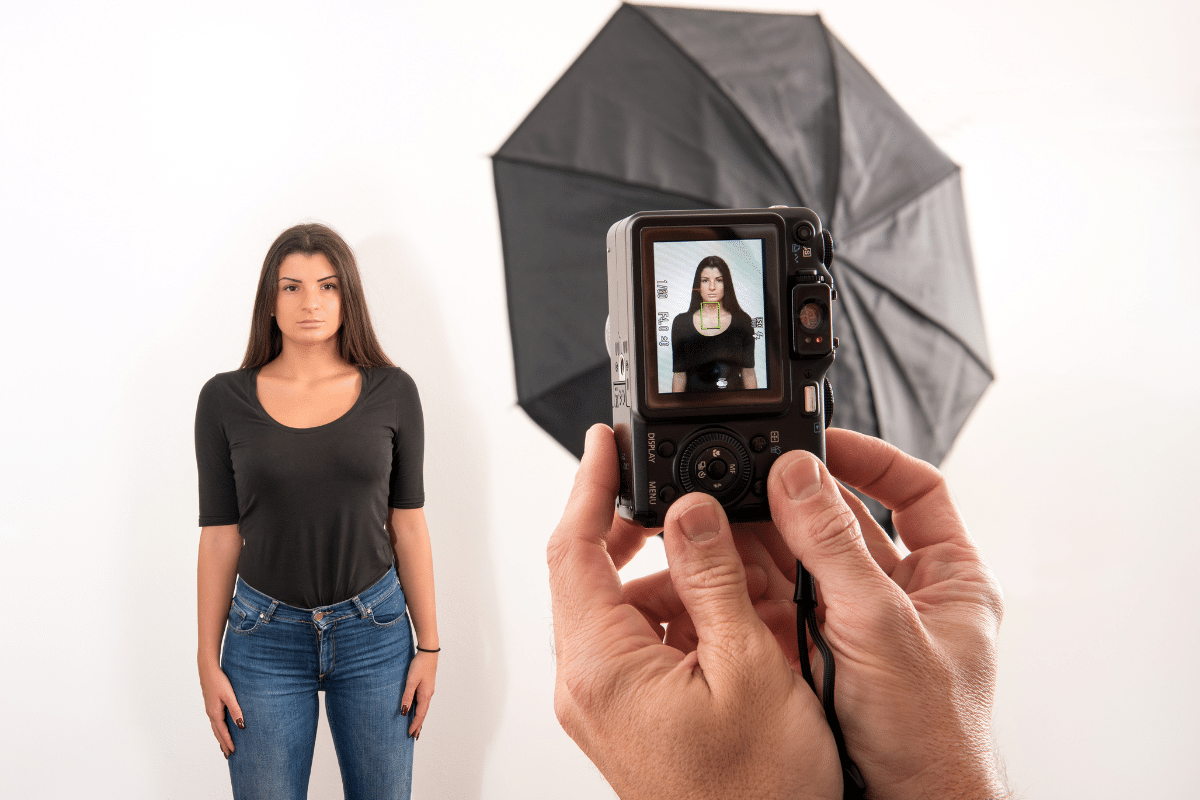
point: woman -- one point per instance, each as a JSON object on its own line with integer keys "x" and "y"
{"x": 311, "y": 501}
{"x": 712, "y": 343}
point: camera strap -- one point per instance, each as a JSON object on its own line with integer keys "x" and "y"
{"x": 853, "y": 785}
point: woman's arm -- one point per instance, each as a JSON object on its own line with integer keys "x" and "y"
{"x": 414, "y": 564}
{"x": 216, "y": 570}
{"x": 749, "y": 379}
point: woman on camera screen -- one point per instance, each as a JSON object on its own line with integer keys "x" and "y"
{"x": 311, "y": 496}
{"x": 712, "y": 343}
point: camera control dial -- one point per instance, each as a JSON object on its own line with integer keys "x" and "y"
{"x": 715, "y": 463}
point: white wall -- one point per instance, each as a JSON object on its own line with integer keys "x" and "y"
{"x": 150, "y": 152}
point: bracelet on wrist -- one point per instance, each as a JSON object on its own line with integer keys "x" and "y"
{"x": 427, "y": 650}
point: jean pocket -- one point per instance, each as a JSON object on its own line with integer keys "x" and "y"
{"x": 243, "y": 618}
{"x": 388, "y": 611}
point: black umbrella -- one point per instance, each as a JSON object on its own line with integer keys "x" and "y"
{"x": 672, "y": 108}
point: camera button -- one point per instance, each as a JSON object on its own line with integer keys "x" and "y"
{"x": 758, "y": 444}
{"x": 667, "y": 494}
{"x": 759, "y": 488}
{"x": 666, "y": 448}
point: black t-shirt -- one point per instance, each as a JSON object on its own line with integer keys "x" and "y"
{"x": 706, "y": 360}
{"x": 310, "y": 503}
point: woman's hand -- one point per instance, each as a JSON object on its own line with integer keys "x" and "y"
{"x": 218, "y": 696}
{"x": 422, "y": 673}
{"x": 216, "y": 571}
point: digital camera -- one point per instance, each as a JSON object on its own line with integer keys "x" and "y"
{"x": 720, "y": 335}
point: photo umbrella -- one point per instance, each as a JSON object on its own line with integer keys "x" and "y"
{"x": 679, "y": 109}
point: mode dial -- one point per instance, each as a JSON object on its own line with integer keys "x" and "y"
{"x": 715, "y": 463}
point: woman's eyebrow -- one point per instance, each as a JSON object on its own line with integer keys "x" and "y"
{"x": 297, "y": 280}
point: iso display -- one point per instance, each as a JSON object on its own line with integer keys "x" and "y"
{"x": 720, "y": 337}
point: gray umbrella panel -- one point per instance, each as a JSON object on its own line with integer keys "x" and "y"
{"x": 673, "y": 108}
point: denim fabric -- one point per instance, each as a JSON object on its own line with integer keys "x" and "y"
{"x": 278, "y": 657}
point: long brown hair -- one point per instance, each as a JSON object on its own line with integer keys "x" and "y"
{"x": 729, "y": 300}
{"x": 356, "y": 338}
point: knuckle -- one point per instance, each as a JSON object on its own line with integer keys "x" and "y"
{"x": 556, "y": 550}
{"x": 834, "y": 528}
{"x": 716, "y": 575}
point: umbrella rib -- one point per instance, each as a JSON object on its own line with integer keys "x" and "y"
{"x": 749, "y": 122}
{"x": 888, "y": 211}
{"x": 951, "y": 334}
{"x": 873, "y": 377}
{"x": 565, "y": 170}
{"x": 837, "y": 103}
{"x": 570, "y": 68}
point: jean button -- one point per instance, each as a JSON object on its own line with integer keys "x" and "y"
{"x": 320, "y": 615}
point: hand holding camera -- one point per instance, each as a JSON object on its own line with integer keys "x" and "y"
{"x": 688, "y": 683}
{"x": 720, "y": 712}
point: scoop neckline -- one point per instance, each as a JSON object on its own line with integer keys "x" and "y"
{"x": 362, "y": 390}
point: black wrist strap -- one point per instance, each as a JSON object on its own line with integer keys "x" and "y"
{"x": 425, "y": 650}
{"x": 853, "y": 785}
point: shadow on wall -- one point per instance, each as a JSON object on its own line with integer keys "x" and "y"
{"x": 466, "y": 710}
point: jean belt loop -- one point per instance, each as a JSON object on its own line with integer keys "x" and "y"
{"x": 363, "y": 611}
{"x": 270, "y": 610}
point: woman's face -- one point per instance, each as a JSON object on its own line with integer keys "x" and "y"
{"x": 308, "y": 303}
{"x": 712, "y": 285}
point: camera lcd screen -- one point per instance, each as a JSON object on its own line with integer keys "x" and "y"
{"x": 709, "y": 293}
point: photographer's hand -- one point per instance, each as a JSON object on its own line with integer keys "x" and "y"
{"x": 728, "y": 718}
{"x": 914, "y": 639}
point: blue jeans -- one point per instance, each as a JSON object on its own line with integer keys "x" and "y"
{"x": 278, "y": 657}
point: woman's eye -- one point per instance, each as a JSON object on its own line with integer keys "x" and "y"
{"x": 330, "y": 286}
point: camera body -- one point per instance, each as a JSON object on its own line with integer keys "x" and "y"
{"x": 720, "y": 335}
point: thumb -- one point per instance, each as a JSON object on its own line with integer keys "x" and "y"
{"x": 710, "y": 580}
{"x": 822, "y": 532}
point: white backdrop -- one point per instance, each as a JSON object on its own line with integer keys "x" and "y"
{"x": 150, "y": 152}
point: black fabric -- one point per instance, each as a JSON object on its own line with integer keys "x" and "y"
{"x": 776, "y": 70}
{"x": 567, "y": 411}
{"x": 705, "y": 360}
{"x": 310, "y": 503}
{"x": 554, "y": 226}
{"x": 675, "y": 108}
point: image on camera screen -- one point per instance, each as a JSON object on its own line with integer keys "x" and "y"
{"x": 709, "y": 316}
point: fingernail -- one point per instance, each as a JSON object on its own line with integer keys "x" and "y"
{"x": 699, "y": 523}
{"x": 802, "y": 478}
{"x": 239, "y": 723}
{"x": 404, "y": 711}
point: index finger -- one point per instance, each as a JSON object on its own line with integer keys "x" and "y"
{"x": 915, "y": 491}
{"x": 583, "y": 578}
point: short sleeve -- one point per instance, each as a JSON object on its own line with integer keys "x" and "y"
{"x": 748, "y": 343}
{"x": 679, "y": 362}
{"x": 218, "y": 492}
{"x": 408, "y": 447}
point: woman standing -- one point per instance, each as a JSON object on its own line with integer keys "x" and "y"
{"x": 311, "y": 495}
{"x": 712, "y": 343}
